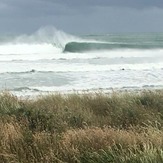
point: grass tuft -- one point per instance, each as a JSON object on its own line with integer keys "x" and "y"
{"x": 80, "y": 128}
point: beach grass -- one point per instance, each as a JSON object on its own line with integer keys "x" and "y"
{"x": 82, "y": 128}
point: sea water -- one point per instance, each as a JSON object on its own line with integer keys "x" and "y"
{"x": 50, "y": 60}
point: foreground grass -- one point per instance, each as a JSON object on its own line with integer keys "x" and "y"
{"x": 74, "y": 128}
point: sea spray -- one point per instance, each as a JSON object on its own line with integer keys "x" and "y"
{"x": 45, "y": 40}
{"x": 49, "y": 35}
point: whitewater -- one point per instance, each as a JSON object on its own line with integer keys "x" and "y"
{"x": 50, "y": 61}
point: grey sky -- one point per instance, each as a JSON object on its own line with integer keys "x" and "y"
{"x": 82, "y": 16}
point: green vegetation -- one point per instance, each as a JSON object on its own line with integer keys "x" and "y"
{"x": 87, "y": 128}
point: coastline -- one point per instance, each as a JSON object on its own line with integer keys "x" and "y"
{"x": 34, "y": 93}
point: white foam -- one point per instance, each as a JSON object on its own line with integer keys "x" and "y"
{"x": 69, "y": 67}
{"x": 27, "y": 49}
{"x": 24, "y": 51}
{"x": 109, "y": 80}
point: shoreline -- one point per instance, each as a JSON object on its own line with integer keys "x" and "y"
{"x": 35, "y": 94}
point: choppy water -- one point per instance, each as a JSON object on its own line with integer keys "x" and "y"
{"x": 50, "y": 60}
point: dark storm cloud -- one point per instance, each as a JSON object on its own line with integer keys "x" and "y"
{"x": 117, "y": 3}
{"x": 43, "y": 7}
{"x": 83, "y": 16}
{"x": 20, "y": 8}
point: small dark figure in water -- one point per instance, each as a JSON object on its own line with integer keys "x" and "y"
{"x": 32, "y": 70}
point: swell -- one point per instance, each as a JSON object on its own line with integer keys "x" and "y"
{"x": 94, "y": 46}
{"x": 90, "y": 68}
{"x": 27, "y": 72}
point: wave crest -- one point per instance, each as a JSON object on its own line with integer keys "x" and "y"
{"x": 94, "y": 46}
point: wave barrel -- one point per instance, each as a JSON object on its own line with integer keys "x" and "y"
{"x": 85, "y": 46}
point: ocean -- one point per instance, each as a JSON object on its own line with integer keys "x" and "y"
{"x": 50, "y": 61}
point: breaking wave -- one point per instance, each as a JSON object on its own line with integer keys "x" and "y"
{"x": 94, "y": 46}
{"x": 47, "y": 40}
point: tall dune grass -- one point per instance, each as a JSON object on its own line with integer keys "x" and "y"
{"x": 81, "y": 128}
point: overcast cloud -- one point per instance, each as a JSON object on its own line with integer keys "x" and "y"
{"x": 82, "y": 16}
